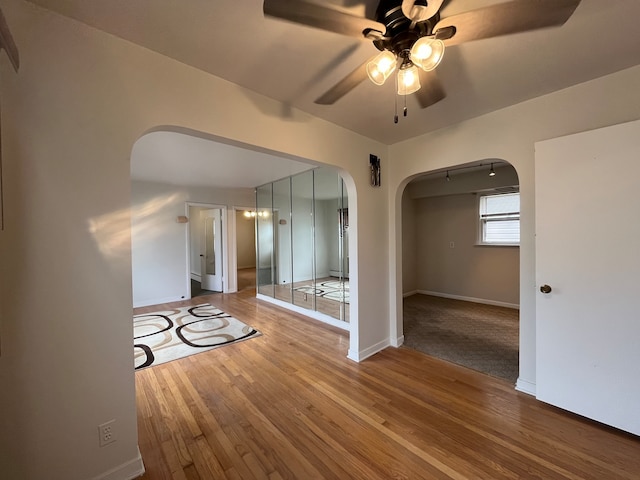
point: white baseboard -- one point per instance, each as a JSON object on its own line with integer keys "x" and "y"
{"x": 470, "y": 299}
{"x": 307, "y": 313}
{"x": 408, "y": 294}
{"x": 336, "y": 273}
{"x": 127, "y": 471}
{"x": 367, "y": 352}
{"x": 397, "y": 342}
{"x": 157, "y": 301}
{"x": 526, "y": 386}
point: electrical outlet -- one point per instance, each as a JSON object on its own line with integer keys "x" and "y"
{"x": 107, "y": 433}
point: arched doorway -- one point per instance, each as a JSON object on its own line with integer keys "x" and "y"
{"x": 460, "y": 231}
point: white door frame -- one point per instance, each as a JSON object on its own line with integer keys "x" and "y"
{"x": 214, "y": 233}
{"x": 225, "y": 254}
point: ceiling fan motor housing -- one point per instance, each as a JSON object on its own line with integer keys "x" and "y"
{"x": 399, "y": 36}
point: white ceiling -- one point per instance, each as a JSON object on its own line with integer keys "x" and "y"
{"x": 295, "y": 64}
{"x": 179, "y": 159}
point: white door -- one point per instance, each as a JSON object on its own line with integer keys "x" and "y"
{"x": 588, "y": 254}
{"x": 211, "y": 249}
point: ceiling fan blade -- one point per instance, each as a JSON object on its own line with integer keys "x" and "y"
{"x": 505, "y": 18}
{"x": 420, "y": 13}
{"x": 431, "y": 89}
{"x": 319, "y": 16}
{"x": 344, "y": 86}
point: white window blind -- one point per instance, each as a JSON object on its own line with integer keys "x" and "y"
{"x": 500, "y": 219}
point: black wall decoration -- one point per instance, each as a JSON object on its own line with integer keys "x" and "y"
{"x": 374, "y": 166}
{"x": 7, "y": 44}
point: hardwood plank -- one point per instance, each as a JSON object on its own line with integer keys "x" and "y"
{"x": 290, "y": 405}
{"x": 173, "y": 461}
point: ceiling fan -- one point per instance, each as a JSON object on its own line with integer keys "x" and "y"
{"x": 411, "y": 36}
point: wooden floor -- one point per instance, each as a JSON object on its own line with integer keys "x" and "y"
{"x": 246, "y": 278}
{"x": 290, "y": 405}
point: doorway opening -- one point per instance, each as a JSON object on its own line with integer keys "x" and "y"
{"x": 245, "y": 247}
{"x": 206, "y": 248}
{"x": 460, "y": 287}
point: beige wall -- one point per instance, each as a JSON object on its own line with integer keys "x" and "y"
{"x": 436, "y": 212}
{"x": 508, "y": 134}
{"x": 474, "y": 272}
{"x": 409, "y": 247}
{"x": 70, "y": 119}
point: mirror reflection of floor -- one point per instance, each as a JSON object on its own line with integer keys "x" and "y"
{"x": 246, "y": 278}
{"x": 327, "y": 293}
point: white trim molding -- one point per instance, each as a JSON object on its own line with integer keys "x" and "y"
{"x": 367, "y": 352}
{"x": 526, "y": 386}
{"x": 158, "y": 301}
{"x": 134, "y": 468}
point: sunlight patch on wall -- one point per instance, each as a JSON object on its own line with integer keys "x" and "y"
{"x": 113, "y": 231}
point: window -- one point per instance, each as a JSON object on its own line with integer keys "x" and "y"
{"x": 500, "y": 219}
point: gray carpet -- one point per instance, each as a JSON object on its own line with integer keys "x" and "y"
{"x": 477, "y": 336}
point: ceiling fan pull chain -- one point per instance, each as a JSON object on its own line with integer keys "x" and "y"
{"x": 395, "y": 101}
{"x": 404, "y": 111}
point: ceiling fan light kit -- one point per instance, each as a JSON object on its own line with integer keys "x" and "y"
{"x": 381, "y": 67}
{"x": 411, "y": 33}
{"x": 408, "y": 79}
{"x": 427, "y": 53}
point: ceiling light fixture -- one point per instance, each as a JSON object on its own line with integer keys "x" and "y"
{"x": 426, "y": 53}
{"x": 492, "y": 172}
{"x": 381, "y": 67}
{"x": 408, "y": 79}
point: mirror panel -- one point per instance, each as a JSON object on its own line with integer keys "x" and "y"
{"x": 303, "y": 244}
{"x": 302, "y": 221}
{"x": 328, "y": 253}
{"x": 282, "y": 239}
{"x": 265, "y": 241}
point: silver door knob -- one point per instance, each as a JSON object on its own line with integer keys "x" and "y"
{"x": 545, "y": 289}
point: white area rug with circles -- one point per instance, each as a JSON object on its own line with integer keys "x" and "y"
{"x": 167, "y": 335}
